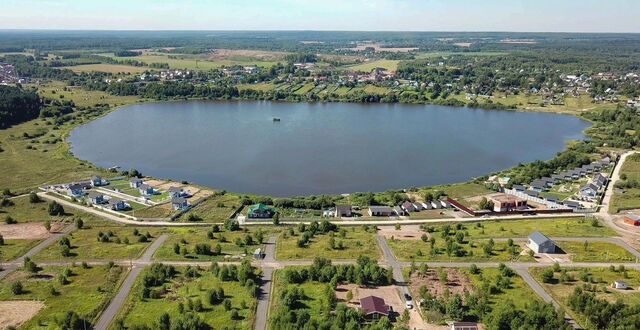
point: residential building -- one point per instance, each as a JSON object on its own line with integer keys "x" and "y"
{"x": 539, "y": 243}
{"x": 380, "y": 211}
{"x": 532, "y": 193}
{"x": 260, "y": 211}
{"x": 538, "y": 186}
{"x": 588, "y": 192}
{"x": 632, "y": 219}
{"x": 97, "y": 181}
{"x": 399, "y": 211}
{"x": 573, "y": 205}
{"x": 506, "y": 203}
{"x": 343, "y": 211}
{"x": 117, "y": 204}
{"x": 408, "y": 206}
{"x": 374, "y": 307}
{"x": 519, "y": 188}
{"x": 146, "y": 190}
{"x": 620, "y": 285}
{"x": 179, "y": 203}
{"x": 135, "y": 183}
{"x": 175, "y": 192}
{"x": 75, "y": 190}
{"x": 463, "y": 325}
{"x": 96, "y": 198}
{"x": 418, "y": 206}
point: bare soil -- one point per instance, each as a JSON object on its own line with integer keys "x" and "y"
{"x": 28, "y": 231}
{"x": 457, "y": 282}
{"x": 406, "y": 232}
{"x": 16, "y": 312}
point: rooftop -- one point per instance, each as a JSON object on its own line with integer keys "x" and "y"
{"x": 373, "y": 304}
{"x": 538, "y": 237}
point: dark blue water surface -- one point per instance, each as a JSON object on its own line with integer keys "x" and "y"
{"x": 319, "y": 148}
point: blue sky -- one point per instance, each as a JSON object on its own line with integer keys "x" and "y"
{"x": 388, "y": 15}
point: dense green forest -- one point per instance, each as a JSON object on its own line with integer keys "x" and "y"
{"x": 18, "y": 105}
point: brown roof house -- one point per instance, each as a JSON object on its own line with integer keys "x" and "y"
{"x": 374, "y": 307}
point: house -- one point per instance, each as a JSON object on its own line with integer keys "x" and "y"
{"x": 427, "y": 206}
{"x": 538, "y": 185}
{"x": 258, "y": 254}
{"x": 418, "y": 206}
{"x": 600, "y": 179}
{"x": 588, "y": 192}
{"x": 146, "y": 190}
{"x": 519, "y": 188}
{"x": 556, "y": 178}
{"x": 573, "y": 205}
{"x": 587, "y": 168}
{"x": 96, "y": 198}
{"x": 399, "y": 211}
{"x": 632, "y": 219}
{"x": 506, "y": 203}
{"x": 179, "y": 203}
{"x": 380, "y": 211}
{"x": 548, "y": 182}
{"x": 552, "y": 200}
{"x": 620, "y": 285}
{"x": 260, "y": 211}
{"x": 435, "y": 204}
{"x": 175, "y": 192}
{"x": 539, "y": 243}
{"x": 463, "y": 325}
{"x": 567, "y": 176}
{"x": 605, "y": 161}
{"x": 408, "y": 206}
{"x": 117, "y": 204}
{"x": 135, "y": 183}
{"x": 75, "y": 190}
{"x": 343, "y": 211}
{"x": 374, "y": 307}
{"x": 596, "y": 166}
{"x": 532, "y": 193}
{"x": 445, "y": 204}
{"x": 97, "y": 181}
{"x": 575, "y": 175}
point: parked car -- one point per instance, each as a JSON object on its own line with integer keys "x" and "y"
{"x": 408, "y": 301}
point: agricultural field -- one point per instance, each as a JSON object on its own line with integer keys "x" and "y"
{"x": 390, "y": 65}
{"x": 627, "y": 198}
{"x": 186, "y": 293}
{"x": 601, "y": 278}
{"x": 102, "y": 241}
{"x": 194, "y": 62}
{"x": 595, "y": 252}
{"x": 234, "y": 245}
{"x": 82, "y": 97}
{"x": 355, "y": 242}
{"x": 306, "y": 88}
{"x": 263, "y": 87}
{"x": 48, "y": 295}
{"x": 108, "y": 68}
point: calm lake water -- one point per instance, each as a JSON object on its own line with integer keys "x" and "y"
{"x": 319, "y": 148}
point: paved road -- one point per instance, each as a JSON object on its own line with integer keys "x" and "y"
{"x": 264, "y": 296}
{"x": 606, "y": 200}
{"x": 15, "y": 264}
{"x": 114, "y": 306}
{"x": 612, "y": 240}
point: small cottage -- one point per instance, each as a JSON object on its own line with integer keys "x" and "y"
{"x": 539, "y": 243}
{"x": 260, "y": 211}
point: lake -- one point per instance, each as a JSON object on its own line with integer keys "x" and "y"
{"x": 319, "y": 148}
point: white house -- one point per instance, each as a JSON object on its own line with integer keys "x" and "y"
{"x": 175, "y": 192}
{"x": 135, "y": 183}
{"x": 75, "y": 190}
{"x": 146, "y": 190}
{"x": 539, "y": 243}
{"x": 589, "y": 192}
{"x": 179, "y": 203}
{"x": 97, "y": 181}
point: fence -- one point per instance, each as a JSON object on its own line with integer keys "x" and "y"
{"x": 538, "y": 200}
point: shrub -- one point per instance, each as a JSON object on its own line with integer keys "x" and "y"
{"x": 55, "y": 209}
{"x": 17, "y": 288}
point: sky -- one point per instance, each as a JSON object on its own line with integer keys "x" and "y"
{"x": 348, "y": 15}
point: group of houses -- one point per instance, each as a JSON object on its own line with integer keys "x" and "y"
{"x": 405, "y": 208}
{"x": 109, "y": 202}
{"x": 178, "y": 195}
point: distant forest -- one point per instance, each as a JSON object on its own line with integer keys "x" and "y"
{"x": 18, "y": 105}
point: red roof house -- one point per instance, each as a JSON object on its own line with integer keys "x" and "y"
{"x": 374, "y": 307}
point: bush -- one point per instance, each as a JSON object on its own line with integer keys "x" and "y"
{"x": 547, "y": 275}
{"x": 55, "y": 209}
{"x": 34, "y": 198}
{"x": 79, "y": 223}
{"x": 9, "y": 220}
{"x": 16, "y": 288}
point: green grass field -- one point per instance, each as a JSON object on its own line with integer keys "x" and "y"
{"x": 629, "y": 198}
{"x": 356, "y": 242}
{"x": 87, "y": 293}
{"x": 23, "y": 211}
{"x": 412, "y": 250}
{"x": 188, "y": 62}
{"x": 187, "y": 238}
{"x": 108, "y": 68}
{"x": 596, "y": 252}
{"x": 519, "y": 293}
{"x": 306, "y": 88}
{"x": 215, "y": 209}
{"x": 14, "y": 248}
{"x": 139, "y": 311}
{"x": 602, "y": 278}
{"x": 264, "y": 87}
{"x": 313, "y": 291}
{"x": 85, "y": 244}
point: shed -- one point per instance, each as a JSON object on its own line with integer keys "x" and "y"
{"x": 540, "y": 243}
{"x": 620, "y": 285}
{"x": 632, "y": 219}
{"x": 343, "y": 211}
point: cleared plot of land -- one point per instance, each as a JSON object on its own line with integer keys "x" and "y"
{"x": 627, "y": 198}
{"x": 25, "y": 212}
{"x": 27, "y": 231}
{"x": 355, "y": 242}
{"x": 233, "y": 245}
{"x": 86, "y": 293}
{"x": 14, "y": 313}
{"x": 120, "y": 243}
{"x": 108, "y": 68}
{"x": 600, "y": 278}
{"x": 14, "y": 248}
{"x": 390, "y": 65}
{"x": 180, "y": 291}
{"x": 215, "y": 209}
{"x": 468, "y": 250}
{"x": 595, "y": 252}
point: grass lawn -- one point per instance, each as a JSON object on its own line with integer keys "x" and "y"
{"x": 519, "y": 293}
{"x": 87, "y": 293}
{"x": 553, "y": 227}
{"x": 81, "y": 97}
{"x": 356, "y": 242}
{"x": 459, "y": 190}
{"x": 391, "y": 65}
{"x": 187, "y": 238}
{"x": 14, "y": 248}
{"x": 108, "y": 68}
{"x": 85, "y": 244}
{"x": 412, "y": 250}
{"x": 313, "y": 292}
{"x": 139, "y": 311}
{"x": 596, "y": 252}
{"x": 194, "y": 63}
{"x": 264, "y": 87}
{"x": 215, "y": 209}
{"x": 627, "y": 199}
{"x": 602, "y": 278}
{"x": 24, "y": 211}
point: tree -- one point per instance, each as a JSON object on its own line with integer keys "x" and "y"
{"x": 1, "y": 240}
{"x": 55, "y": 209}
{"x": 79, "y": 223}
{"x": 349, "y": 296}
{"x": 47, "y": 225}
{"x": 547, "y": 275}
{"x": 17, "y": 288}
{"x": 454, "y": 308}
{"x": 276, "y": 218}
{"x": 226, "y": 304}
{"x": 34, "y": 198}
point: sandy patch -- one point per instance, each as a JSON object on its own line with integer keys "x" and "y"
{"x": 457, "y": 283}
{"x": 406, "y": 232}
{"x": 17, "y": 312}
{"x": 28, "y": 231}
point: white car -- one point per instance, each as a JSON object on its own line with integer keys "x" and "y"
{"x": 408, "y": 301}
